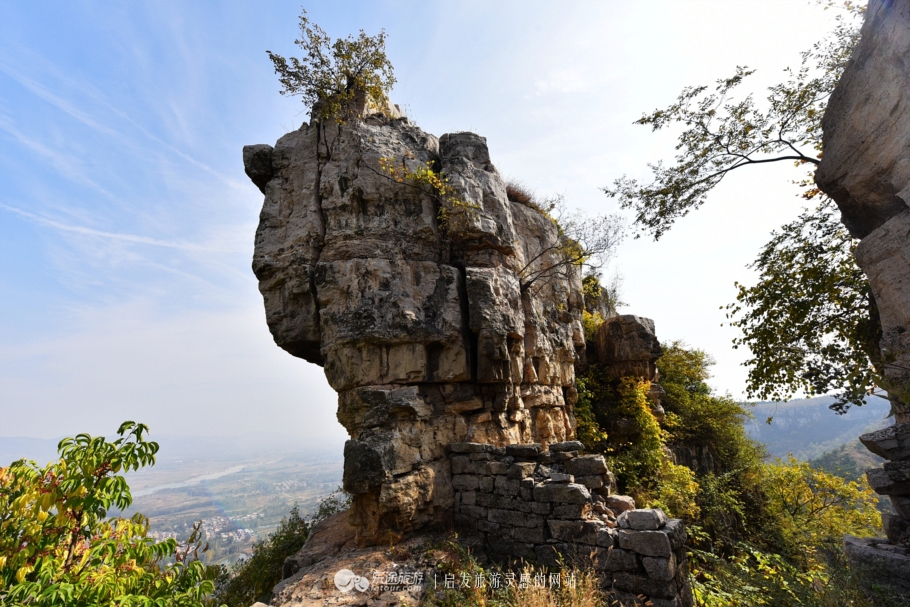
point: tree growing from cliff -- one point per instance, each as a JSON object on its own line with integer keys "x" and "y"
{"x": 331, "y": 75}
{"x": 810, "y": 322}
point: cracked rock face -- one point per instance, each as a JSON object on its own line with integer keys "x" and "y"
{"x": 417, "y": 308}
{"x": 866, "y": 170}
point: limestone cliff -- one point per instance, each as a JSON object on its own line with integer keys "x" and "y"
{"x": 866, "y": 170}
{"x": 418, "y": 309}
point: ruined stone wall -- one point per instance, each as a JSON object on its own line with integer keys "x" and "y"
{"x": 416, "y": 307}
{"x": 555, "y": 505}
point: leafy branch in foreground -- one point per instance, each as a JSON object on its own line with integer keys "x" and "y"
{"x": 722, "y": 134}
{"x": 810, "y": 321}
{"x": 332, "y": 75}
{"x": 57, "y": 546}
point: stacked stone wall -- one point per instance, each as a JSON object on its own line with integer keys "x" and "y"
{"x": 557, "y": 505}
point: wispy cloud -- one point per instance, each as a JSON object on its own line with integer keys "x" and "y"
{"x": 133, "y": 238}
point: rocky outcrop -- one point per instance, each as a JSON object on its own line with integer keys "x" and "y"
{"x": 866, "y": 170}
{"x": 416, "y": 305}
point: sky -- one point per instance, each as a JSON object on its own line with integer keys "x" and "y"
{"x": 127, "y": 223}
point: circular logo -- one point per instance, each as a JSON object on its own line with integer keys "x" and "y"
{"x": 346, "y": 581}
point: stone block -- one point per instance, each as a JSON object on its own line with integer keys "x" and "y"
{"x": 660, "y": 569}
{"x": 533, "y": 535}
{"x": 527, "y": 451}
{"x": 488, "y": 526}
{"x": 559, "y": 477}
{"x": 526, "y": 493}
{"x": 891, "y": 443}
{"x": 895, "y": 526}
{"x": 877, "y": 564}
{"x": 485, "y": 483}
{"x": 482, "y": 457}
{"x": 606, "y": 537}
{"x": 620, "y": 503}
{"x": 460, "y": 464}
{"x": 645, "y": 519}
{"x": 901, "y": 505}
{"x": 474, "y": 511}
{"x": 470, "y": 448}
{"x": 514, "y": 518}
{"x": 646, "y": 543}
{"x": 587, "y": 465}
{"x": 496, "y": 468}
{"x": 572, "y": 445}
{"x": 539, "y": 507}
{"x": 591, "y": 482}
{"x": 565, "y": 493}
{"x": 676, "y": 533}
{"x": 469, "y": 498}
{"x": 643, "y": 585}
{"x": 506, "y": 486}
{"x": 521, "y": 470}
{"x": 570, "y": 511}
{"x": 465, "y": 482}
{"x": 617, "y": 559}
{"x": 887, "y": 482}
{"x": 575, "y": 532}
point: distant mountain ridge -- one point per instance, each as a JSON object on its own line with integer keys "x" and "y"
{"x": 807, "y": 428}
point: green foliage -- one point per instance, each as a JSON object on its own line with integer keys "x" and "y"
{"x": 252, "y": 580}
{"x": 810, "y": 322}
{"x": 332, "y": 75}
{"x": 57, "y": 545}
{"x": 721, "y": 134}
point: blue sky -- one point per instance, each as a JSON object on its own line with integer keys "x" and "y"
{"x": 126, "y": 222}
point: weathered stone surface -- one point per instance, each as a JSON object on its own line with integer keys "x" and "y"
{"x": 578, "y": 532}
{"x": 866, "y": 162}
{"x": 423, "y": 329}
{"x": 587, "y": 465}
{"x": 660, "y": 569}
{"x": 866, "y": 170}
{"x": 642, "y": 520}
{"x": 627, "y": 346}
{"x": 565, "y": 446}
{"x": 891, "y": 443}
{"x": 257, "y": 163}
{"x": 646, "y": 543}
{"x": 617, "y": 559}
{"x": 895, "y": 481}
{"x": 895, "y": 527}
{"x": 568, "y": 493}
{"x": 620, "y": 503}
{"x": 879, "y": 563}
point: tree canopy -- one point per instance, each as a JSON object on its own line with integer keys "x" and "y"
{"x": 332, "y": 74}
{"x": 810, "y": 321}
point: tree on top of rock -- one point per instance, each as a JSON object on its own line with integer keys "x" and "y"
{"x": 332, "y": 77}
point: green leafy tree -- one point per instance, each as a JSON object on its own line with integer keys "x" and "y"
{"x": 333, "y": 75}
{"x": 58, "y": 546}
{"x": 811, "y": 322}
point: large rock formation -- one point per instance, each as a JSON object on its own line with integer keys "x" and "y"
{"x": 866, "y": 170}
{"x": 420, "y": 307}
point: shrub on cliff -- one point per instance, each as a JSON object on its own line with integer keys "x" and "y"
{"x": 58, "y": 546}
{"x": 332, "y": 74}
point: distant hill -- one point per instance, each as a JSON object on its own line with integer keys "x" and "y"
{"x": 807, "y": 428}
